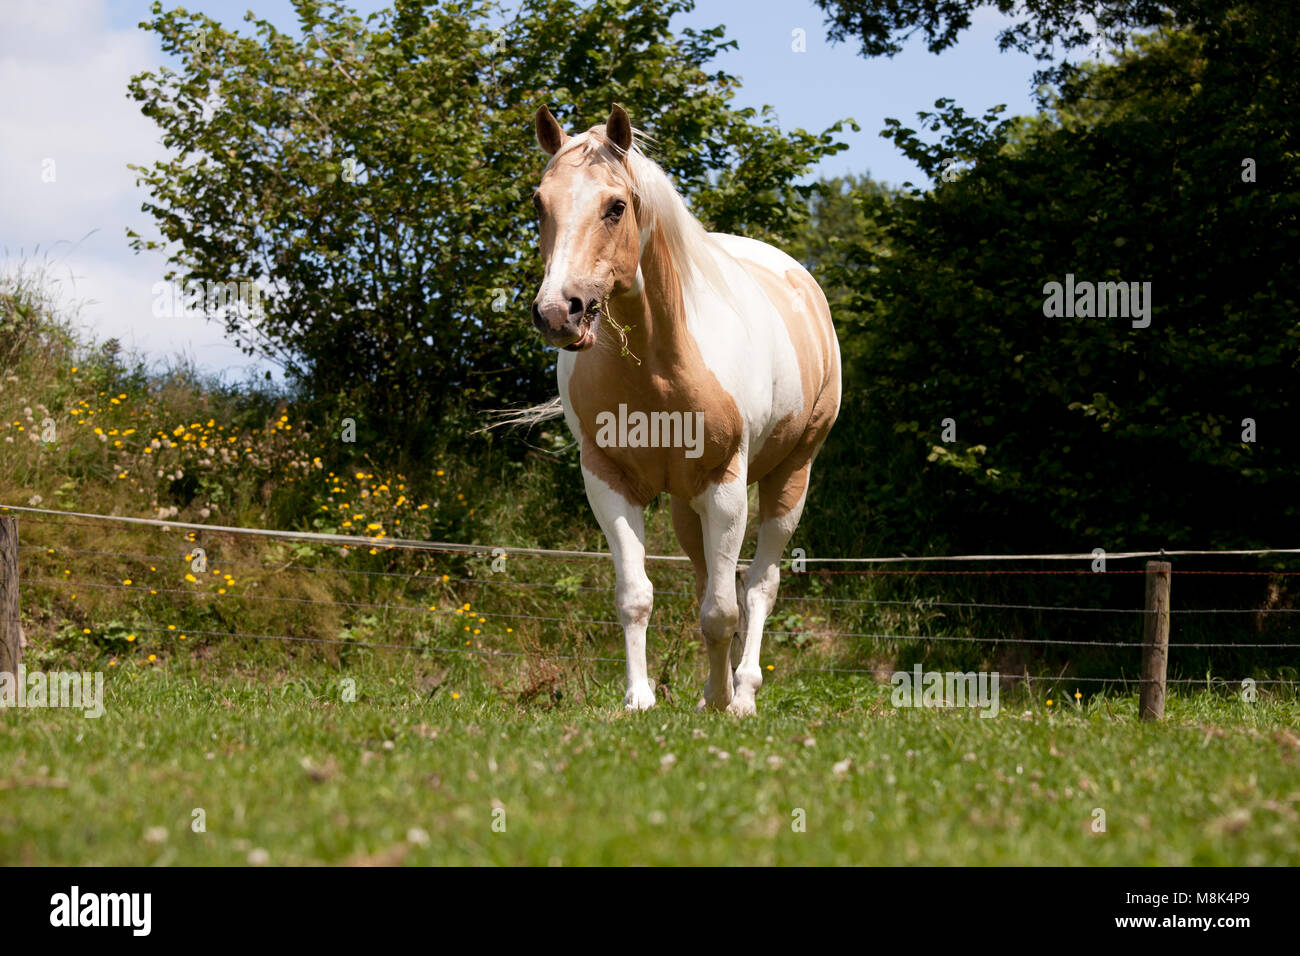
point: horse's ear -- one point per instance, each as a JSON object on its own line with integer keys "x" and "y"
{"x": 549, "y": 134}
{"x": 618, "y": 129}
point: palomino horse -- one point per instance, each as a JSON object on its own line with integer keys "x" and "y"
{"x": 659, "y": 319}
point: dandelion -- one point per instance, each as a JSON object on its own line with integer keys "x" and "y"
{"x": 130, "y": 637}
{"x": 1049, "y": 702}
{"x": 455, "y": 696}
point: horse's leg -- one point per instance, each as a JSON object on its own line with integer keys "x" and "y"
{"x": 781, "y": 497}
{"x": 623, "y": 522}
{"x": 690, "y": 535}
{"x": 723, "y": 509}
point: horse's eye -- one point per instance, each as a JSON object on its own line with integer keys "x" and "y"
{"x": 616, "y": 209}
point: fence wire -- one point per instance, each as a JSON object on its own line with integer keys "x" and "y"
{"x": 350, "y": 544}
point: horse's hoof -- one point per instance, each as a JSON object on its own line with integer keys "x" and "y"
{"x": 707, "y": 703}
{"x": 742, "y": 707}
{"x": 639, "y": 698}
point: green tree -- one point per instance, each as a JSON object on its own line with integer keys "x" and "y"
{"x": 836, "y": 216}
{"x": 377, "y": 176}
{"x": 1074, "y": 433}
{"x": 1043, "y": 28}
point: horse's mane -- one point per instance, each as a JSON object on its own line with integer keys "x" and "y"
{"x": 693, "y": 251}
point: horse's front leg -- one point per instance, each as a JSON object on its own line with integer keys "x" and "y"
{"x": 723, "y": 510}
{"x": 623, "y": 522}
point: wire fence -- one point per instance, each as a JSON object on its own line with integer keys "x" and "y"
{"x": 350, "y": 545}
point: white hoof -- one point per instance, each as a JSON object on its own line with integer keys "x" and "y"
{"x": 641, "y": 697}
{"x": 742, "y": 706}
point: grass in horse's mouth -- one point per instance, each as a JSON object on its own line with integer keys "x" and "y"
{"x": 589, "y": 319}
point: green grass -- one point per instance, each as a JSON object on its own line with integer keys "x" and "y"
{"x": 282, "y": 765}
{"x": 257, "y": 735}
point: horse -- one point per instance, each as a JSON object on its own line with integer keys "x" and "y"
{"x": 650, "y": 312}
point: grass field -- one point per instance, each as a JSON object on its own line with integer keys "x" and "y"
{"x": 418, "y": 770}
{"x": 521, "y": 727}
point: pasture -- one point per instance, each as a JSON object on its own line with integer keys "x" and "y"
{"x": 340, "y": 620}
{"x": 447, "y": 734}
{"x": 422, "y": 764}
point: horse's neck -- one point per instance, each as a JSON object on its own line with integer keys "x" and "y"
{"x": 655, "y": 318}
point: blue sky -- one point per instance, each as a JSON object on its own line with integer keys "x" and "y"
{"x": 63, "y": 71}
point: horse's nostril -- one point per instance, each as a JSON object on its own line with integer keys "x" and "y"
{"x": 575, "y": 307}
{"x": 537, "y": 318}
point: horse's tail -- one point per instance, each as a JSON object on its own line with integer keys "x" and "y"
{"x": 526, "y": 417}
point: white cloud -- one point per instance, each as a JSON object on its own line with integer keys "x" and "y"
{"x": 63, "y": 99}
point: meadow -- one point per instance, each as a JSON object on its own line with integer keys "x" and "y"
{"x": 423, "y": 769}
{"x": 288, "y": 703}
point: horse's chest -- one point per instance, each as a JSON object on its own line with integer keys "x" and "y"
{"x": 651, "y": 428}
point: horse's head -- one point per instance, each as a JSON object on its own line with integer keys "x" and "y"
{"x": 586, "y": 210}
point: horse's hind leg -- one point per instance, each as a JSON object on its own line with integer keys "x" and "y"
{"x": 690, "y": 535}
{"x": 781, "y": 498}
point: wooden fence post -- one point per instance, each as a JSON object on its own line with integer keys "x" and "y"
{"x": 11, "y": 630}
{"x": 1155, "y": 641}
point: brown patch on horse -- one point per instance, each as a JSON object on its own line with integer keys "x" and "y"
{"x": 672, "y": 377}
